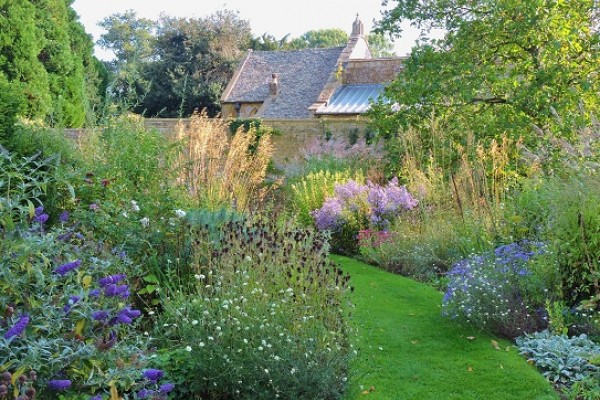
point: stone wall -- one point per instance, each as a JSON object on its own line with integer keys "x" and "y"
{"x": 378, "y": 70}
{"x": 293, "y": 135}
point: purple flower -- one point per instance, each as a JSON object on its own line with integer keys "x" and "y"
{"x": 58, "y": 384}
{"x": 71, "y": 303}
{"x": 125, "y": 316}
{"x": 329, "y": 216}
{"x": 153, "y": 374}
{"x": 64, "y": 217}
{"x": 112, "y": 279}
{"x": 18, "y": 328}
{"x": 144, "y": 393}
{"x": 166, "y": 387}
{"x": 113, "y": 290}
{"x": 96, "y": 397}
{"x": 94, "y": 293}
{"x": 94, "y": 207}
{"x": 42, "y": 218}
{"x": 100, "y": 315}
{"x": 68, "y": 267}
{"x": 38, "y": 211}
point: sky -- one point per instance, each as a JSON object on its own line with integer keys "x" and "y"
{"x": 276, "y": 17}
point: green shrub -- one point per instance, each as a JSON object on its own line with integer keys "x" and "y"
{"x": 67, "y": 322}
{"x": 563, "y": 211}
{"x": 265, "y": 320}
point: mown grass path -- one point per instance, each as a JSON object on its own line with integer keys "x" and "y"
{"x": 408, "y": 350}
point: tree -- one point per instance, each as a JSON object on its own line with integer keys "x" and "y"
{"x": 192, "y": 63}
{"x": 503, "y": 66}
{"x": 380, "y": 45}
{"x": 46, "y": 63}
{"x": 132, "y": 41}
{"x": 268, "y": 42}
{"x": 321, "y": 38}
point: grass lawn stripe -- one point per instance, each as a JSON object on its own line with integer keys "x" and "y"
{"x": 408, "y": 350}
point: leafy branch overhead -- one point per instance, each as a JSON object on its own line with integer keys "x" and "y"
{"x": 500, "y": 64}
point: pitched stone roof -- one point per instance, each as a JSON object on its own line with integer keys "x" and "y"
{"x": 302, "y": 74}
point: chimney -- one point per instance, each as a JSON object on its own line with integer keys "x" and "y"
{"x": 274, "y": 85}
{"x": 358, "y": 28}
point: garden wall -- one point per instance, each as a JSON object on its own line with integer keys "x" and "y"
{"x": 293, "y": 135}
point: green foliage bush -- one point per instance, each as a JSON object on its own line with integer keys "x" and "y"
{"x": 67, "y": 321}
{"x": 561, "y": 359}
{"x": 265, "y": 319}
{"x": 564, "y": 211}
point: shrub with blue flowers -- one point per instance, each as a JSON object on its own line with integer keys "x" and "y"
{"x": 356, "y": 207}
{"x": 498, "y": 290}
{"x": 67, "y": 319}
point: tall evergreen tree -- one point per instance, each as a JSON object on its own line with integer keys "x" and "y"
{"x": 47, "y": 67}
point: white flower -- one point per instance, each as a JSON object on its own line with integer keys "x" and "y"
{"x": 180, "y": 213}
{"x": 134, "y": 206}
{"x": 200, "y": 277}
{"x": 188, "y": 348}
{"x": 293, "y": 371}
{"x": 145, "y": 222}
{"x": 201, "y": 344}
{"x": 195, "y": 322}
{"x": 124, "y": 214}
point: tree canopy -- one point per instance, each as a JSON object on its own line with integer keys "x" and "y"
{"x": 47, "y": 68}
{"x": 174, "y": 66}
{"x": 503, "y": 66}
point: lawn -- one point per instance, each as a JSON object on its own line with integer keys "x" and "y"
{"x": 408, "y": 350}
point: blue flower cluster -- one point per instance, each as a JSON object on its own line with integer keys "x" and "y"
{"x": 492, "y": 290}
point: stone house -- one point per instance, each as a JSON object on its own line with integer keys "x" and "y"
{"x": 330, "y": 83}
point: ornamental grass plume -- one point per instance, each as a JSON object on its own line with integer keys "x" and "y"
{"x": 219, "y": 168}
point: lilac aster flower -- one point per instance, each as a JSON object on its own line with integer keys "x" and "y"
{"x": 166, "y": 387}
{"x": 59, "y": 384}
{"x": 18, "y": 328}
{"x": 68, "y": 267}
{"x": 111, "y": 279}
{"x": 64, "y": 217}
{"x": 71, "y": 303}
{"x": 153, "y": 374}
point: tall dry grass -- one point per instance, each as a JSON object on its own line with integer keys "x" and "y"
{"x": 219, "y": 168}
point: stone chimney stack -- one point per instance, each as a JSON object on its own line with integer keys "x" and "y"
{"x": 358, "y": 28}
{"x": 274, "y": 85}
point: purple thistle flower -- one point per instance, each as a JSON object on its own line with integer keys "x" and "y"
{"x": 68, "y": 267}
{"x": 18, "y": 328}
{"x": 112, "y": 279}
{"x": 153, "y": 374}
{"x": 166, "y": 387}
{"x": 71, "y": 303}
{"x": 100, "y": 315}
{"x": 59, "y": 384}
{"x": 64, "y": 217}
